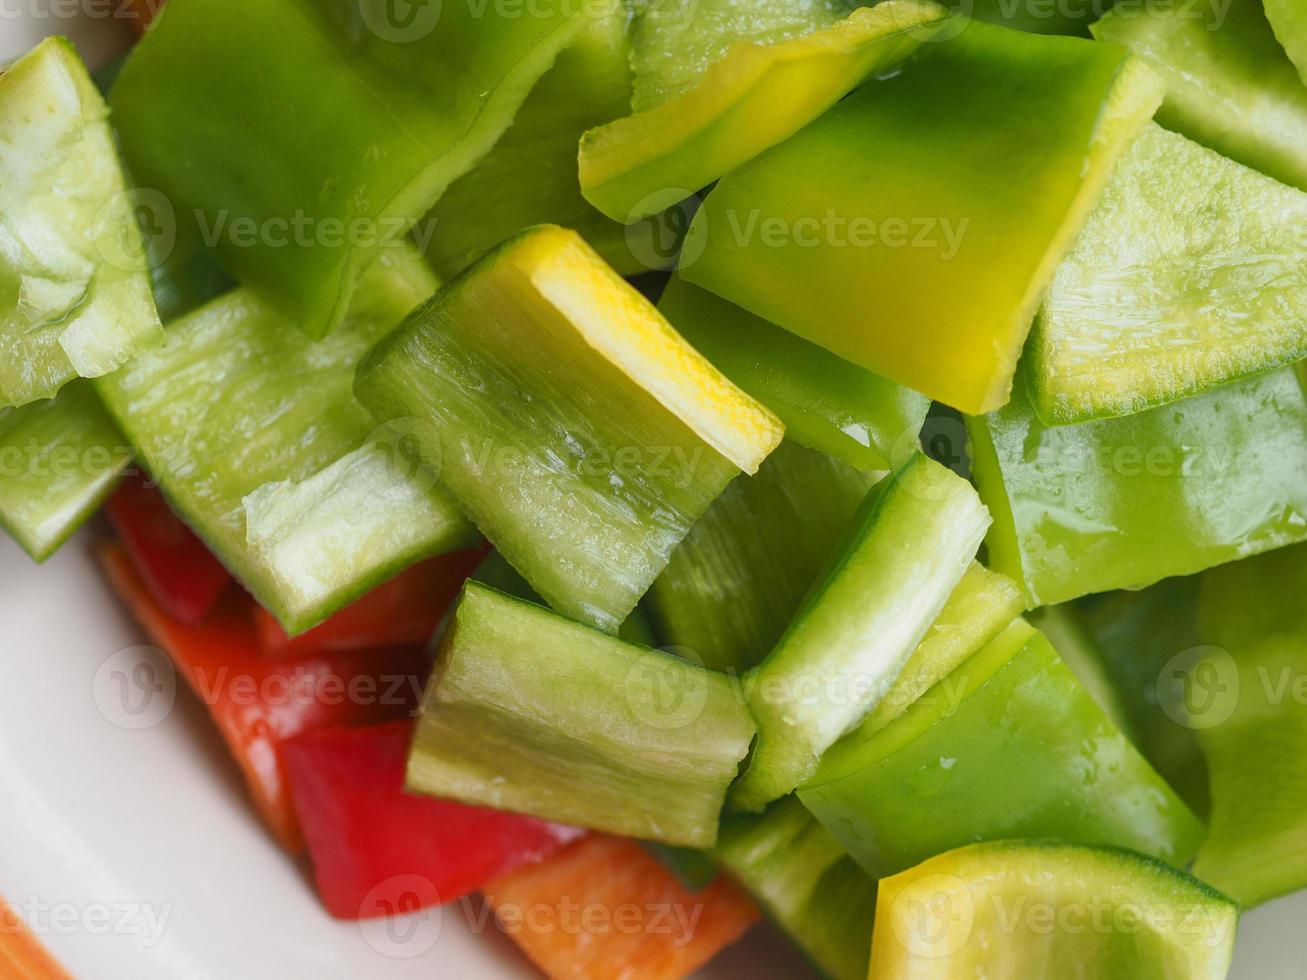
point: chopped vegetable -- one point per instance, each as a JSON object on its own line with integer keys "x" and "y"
{"x": 1228, "y": 83}
{"x": 535, "y": 713}
{"x": 181, "y": 573}
{"x": 22, "y": 957}
{"x": 1246, "y": 698}
{"x": 404, "y": 611}
{"x": 805, "y": 881}
{"x": 905, "y": 551}
{"x": 1288, "y": 20}
{"x": 737, "y": 579}
{"x": 1122, "y": 503}
{"x": 252, "y": 432}
{"x": 825, "y": 402}
{"x": 1125, "y": 640}
{"x": 59, "y": 459}
{"x": 874, "y": 231}
{"x": 1008, "y": 745}
{"x": 530, "y": 177}
{"x": 675, "y": 42}
{"x": 604, "y": 908}
{"x": 259, "y": 704}
{"x": 580, "y": 433}
{"x": 416, "y": 99}
{"x": 73, "y": 287}
{"x": 754, "y": 97}
{"x": 982, "y": 606}
{"x": 373, "y": 845}
{"x": 1189, "y": 274}
{"x": 1042, "y": 908}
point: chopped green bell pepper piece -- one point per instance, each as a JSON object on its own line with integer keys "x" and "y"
{"x": 1048, "y": 909}
{"x": 297, "y": 192}
{"x": 810, "y": 887}
{"x": 1188, "y": 274}
{"x": 752, "y": 98}
{"x": 733, "y": 584}
{"x": 908, "y": 546}
{"x": 1119, "y": 644}
{"x": 825, "y": 402}
{"x": 873, "y": 232}
{"x": 529, "y": 178}
{"x": 982, "y": 606}
{"x": 59, "y": 459}
{"x": 1247, "y": 702}
{"x": 1228, "y": 83}
{"x": 1034, "y": 16}
{"x": 1288, "y": 19}
{"x": 74, "y": 292}
{"x": 1123, "y": 503}
{"x": 674, "y": 42}
{"x": 254, "y": 435}
{"x": 580, "y": 433}
{"x": 1008, "y": 745}
{"x": 532, "y": 712}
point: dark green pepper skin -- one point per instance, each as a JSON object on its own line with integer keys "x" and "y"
{"x": 301, "y": 136}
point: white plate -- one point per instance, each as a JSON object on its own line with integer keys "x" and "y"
{"x": 134, "y": 852}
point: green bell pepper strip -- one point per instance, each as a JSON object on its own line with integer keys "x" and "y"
{"x": 253, "y": 434}
{"x": 1034, "y": 16}
{"x": 1008, "y": 745}
{"x": 529, "y": 178}
{"x": 532, "y": 712}
{"x": 808, "y": 885}
{"x": 74, "y": 294}
{"x": 1228, "y": 83}
{"x": 1119, "y": 644}
{"x": 59, "y": 459}
{"x": 577, "y": 430}
{"x": 1048, "y": 909}
{"x": 873, "y": 231}
{"x": 1247, "y": 701}
{"x": 674, "y": 42}
{"x": 733, "y": 584}
{"x": 754, "y": 97}
{"x": 1288, "y": 20}
{"x": 297, "y": 193}
{"x": 1123, "y": 503}
{"x": 1188, "y": 274}
{"x": 826, "y": 403}
{"x": 905, "y": 551}
{"x": 983, "y": 605}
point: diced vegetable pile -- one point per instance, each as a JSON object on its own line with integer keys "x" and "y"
{"x": 701, "y": 457}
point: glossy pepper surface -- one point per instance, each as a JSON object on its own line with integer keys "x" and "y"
{"x": 295, "y": 192}
{"x": 873, "y": 231}
{"x": 1122, "y": 503}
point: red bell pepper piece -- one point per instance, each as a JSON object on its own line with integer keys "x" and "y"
{"x": 377, "y": 849}
{"x": 258, "y": 704}
{"x": 179, "y": 570}
{"x": 404, "y": 611}
{"x": 604, "y": 907}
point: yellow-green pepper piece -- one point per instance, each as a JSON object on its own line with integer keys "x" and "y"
{"x": 875, "y": 231}
{"x": 1190, "y": 273}
{"x": 1228, "y": 83}
{"x": 751, "y": 99}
